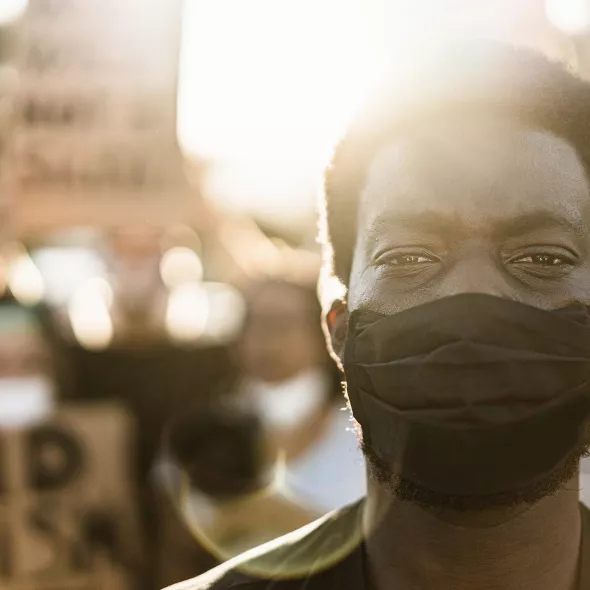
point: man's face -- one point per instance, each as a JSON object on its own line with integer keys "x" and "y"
{"x": 482, "y": 206}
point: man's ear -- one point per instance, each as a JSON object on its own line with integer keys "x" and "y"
{"x": 335, "y": 327}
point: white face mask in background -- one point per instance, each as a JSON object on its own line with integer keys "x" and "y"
{"x": 286, "y": 405}
{"x": 25, "y": 400}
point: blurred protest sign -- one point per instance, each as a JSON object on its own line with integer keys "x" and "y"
{"x": 95, "y": 137}
{"x": 8, "y": 88}
{"x": 66, "y": 506}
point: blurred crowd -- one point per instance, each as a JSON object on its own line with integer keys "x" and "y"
{"x": 215, "y": 400}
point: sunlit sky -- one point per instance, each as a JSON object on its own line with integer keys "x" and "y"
{"x": 10, "y": 10}
{"x": 266, "y": 86}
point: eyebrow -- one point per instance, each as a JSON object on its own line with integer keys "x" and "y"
{"x": 538, "y": 220}
{"x": 442, "y": 224}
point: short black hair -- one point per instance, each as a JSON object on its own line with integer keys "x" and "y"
{"x": 450, "y": 81}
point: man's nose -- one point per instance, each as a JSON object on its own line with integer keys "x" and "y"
{"x": 478, "y": 276}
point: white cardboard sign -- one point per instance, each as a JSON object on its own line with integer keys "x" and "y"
{"x": 95, "y": 137}
{"x": 67, "y": 506}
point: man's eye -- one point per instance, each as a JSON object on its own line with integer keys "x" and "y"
{"x": 544, "y": 260}
{"x": 407, "y": 259}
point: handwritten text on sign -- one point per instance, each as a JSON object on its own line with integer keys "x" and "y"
{"x": 66, "y": 506}
{"x": 97, "y": 114}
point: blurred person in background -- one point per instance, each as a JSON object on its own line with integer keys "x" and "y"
{"x": 295, "y": 389}
{"x": 27, "y": 372}
{"x": 139, "y": 295}
{"x": 270, "y": 454}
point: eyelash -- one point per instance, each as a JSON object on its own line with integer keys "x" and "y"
{"x": 565, "y": 260}
{"x": 392, "y": 260}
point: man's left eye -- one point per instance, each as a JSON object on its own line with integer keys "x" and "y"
{"x": 544, "y": 260}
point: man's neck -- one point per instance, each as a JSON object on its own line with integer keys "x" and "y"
{"x": 537, "y": 546}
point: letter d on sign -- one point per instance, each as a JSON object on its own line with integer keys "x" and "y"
{"x": 54, "y": 458}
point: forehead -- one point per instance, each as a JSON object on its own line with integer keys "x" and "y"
{"x": 479, "y": 172}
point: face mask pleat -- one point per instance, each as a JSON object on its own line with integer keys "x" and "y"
{"x": 471, "y": 394}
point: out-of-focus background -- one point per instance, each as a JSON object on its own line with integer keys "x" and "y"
{"x": 166, "y": 400}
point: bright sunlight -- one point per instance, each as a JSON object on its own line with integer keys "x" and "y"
{"x": 266, "y": 86}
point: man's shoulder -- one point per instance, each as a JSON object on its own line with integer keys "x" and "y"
{"x": 312, "y": 552}
{"x": 219, "y": 578}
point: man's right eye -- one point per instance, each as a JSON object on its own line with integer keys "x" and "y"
{"x": 408, "y": 259}
{"x": 405, "y": 259}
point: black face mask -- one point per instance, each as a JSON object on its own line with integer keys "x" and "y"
{"x": 471, "y": 395}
